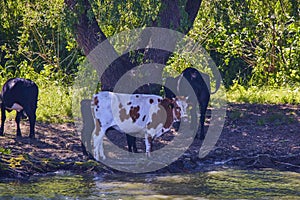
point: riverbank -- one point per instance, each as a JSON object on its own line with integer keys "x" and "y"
{"x": 254, "y": 137}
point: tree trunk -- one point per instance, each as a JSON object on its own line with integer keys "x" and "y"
{"x": 169, "y": 17}
{"x": 89, "y": 35}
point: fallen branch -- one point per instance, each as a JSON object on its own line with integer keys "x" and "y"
{"x": 288, "y": 164}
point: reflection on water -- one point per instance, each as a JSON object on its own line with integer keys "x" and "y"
{"x": 231, "y": 184}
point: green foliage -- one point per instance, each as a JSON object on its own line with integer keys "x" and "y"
{"x": 254, "y": 42}
{"x": 117, "y": 16}
{"x": 34, "y": 32}
{"x": 54, "y": 103}
{"x": 36, "y": 44}
{"x": 84, "y": 86}
{"x": 5, "y": 151}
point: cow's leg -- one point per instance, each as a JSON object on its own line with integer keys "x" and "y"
{"x": 101, "y": 136}
{"x": 148, "y": 143}
{"x": 32, "y": 119}
{"x": 203, "y": 109}
{"x": 18, "y": 119}
{"x": 98, "y": 134}
{"x": 131, "y": 142}
{"x": 3, "y": 117}
{"x": 98, "y": 145}
{"x": 134, "y": 144}
{"x": 193, "y": 112}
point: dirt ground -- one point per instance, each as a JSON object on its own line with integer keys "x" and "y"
{"x": 254, "y": 136}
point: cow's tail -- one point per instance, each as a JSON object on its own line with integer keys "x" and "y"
{"x": 218, "y": 78}
{"x": 218, "y": 84}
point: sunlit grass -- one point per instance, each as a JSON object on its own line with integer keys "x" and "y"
{"x": 54, "y": 104}
{"x": 264, "y": 95}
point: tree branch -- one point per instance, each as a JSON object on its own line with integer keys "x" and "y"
{"x": 89, "y": 36}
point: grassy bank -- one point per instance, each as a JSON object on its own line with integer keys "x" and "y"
{"x": 264, "y": 95}
{"x": 55, "y": 99}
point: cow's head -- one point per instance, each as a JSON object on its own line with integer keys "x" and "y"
{"x": 175, "y": 110}
{"x": 180, "y": 111}
{"x": 182, "y": 103}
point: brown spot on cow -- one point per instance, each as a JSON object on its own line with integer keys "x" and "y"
{"x": 129, "y": 103}
{"x": 163, "y": 115}
{"x": 157, "y": 118}
{"x": 134, "y": 113}
{"x": 122, "y": 113}
{"x": 168, "y": 105}
{"x": 151, "y": 101}
{"x": 96, "y": 101}
{"x": 96, "y": 121}
{"x": 97, "y": 127}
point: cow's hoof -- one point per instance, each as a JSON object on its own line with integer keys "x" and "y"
{"x": 102, "y": 157}
{"x": 23, "y": 115}
{"x": 148, "y": 154}
{"x": 176, "y": 126}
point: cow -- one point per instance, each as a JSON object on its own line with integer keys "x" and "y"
{"x": 21, "y": 95}
{"x": 132, "y": 113}
{"x": 200, "y": 86}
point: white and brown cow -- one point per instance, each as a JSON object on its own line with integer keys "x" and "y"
{"x": 132, "y": 113}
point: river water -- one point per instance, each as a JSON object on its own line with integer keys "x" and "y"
{"x": 228, "y": 184}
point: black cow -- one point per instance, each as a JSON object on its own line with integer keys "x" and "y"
{"x": 200, "y": 86}
{"x": 21, "y": 95}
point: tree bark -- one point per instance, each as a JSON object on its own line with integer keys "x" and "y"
{"x": 89, "y": 36}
